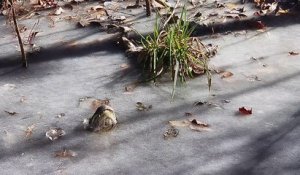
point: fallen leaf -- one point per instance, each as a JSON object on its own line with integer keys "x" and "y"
{"x": 198, "y": 126}
{"x": 171, "y": 132}
{"x": 253, "y": 78}
{"x": 130, "y": 46}
{"x": 58, "y": 11}
{"x": 55, "y": 133}
{"x": 199, "y": 103}
{"x": 179, "y": 123}
{"x": 29, "y": 130}
{"x": 130, "y": 87}
{"x": 198, "y": 123}
{"x": 11, "y": 112}
{"x": 245, "y": 110}
{"x": 293, "y": 53}
{"x": 65, "y": 153}
{"x": 226, "y": 74}
{"x": 141, "y": 107}
{"x": 60, "y": 115}
{"x": 259, "y": 25}
{"x": 23, "y": 29}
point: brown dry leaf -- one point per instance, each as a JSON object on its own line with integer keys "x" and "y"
{"x": 130, "y": 46}
{"x": 55, "y": 133}
{"x": 60, "y": 115}
{"x": 65, "y": 153}
{"x": 130, "y": 87}
{"x": 245, "y": 110}
{"x": 179, "y": 123}
{"x": 253, "y": 78}
{"x": 11, "y": 112}
{"x": 141, "y": 107}
{"x": 22, "y": 29}
{"x": 171, "y": 132}
{"x": 293, "y": 53}
{"x": 281, "y": 11}
{"x": 198, "y": 126}
{"x": 226, "y": 74}
{"x": 259, "y": 25}
{"x": 29, "y": 130}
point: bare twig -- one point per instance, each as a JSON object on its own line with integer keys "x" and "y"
{"x": 148, "y": 7}
{"x": 172, "y": 14}
{"x": 24, "y": 59}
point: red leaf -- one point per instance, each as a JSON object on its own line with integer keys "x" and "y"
{"x": 245, "y": 110}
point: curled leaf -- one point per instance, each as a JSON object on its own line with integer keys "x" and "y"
{"x": 293, "y": 53}
{"x": 11, "y": 112}
{"x": 55, "y": 133}
{"x": 65, "y": 153}
{"x": 60, "y": 115}
{"x": 29, "y": 130}
{"x": 171, "y": 132}
{"x": 226, "y": 74}
{"x": 245, "y": 110}
{"x": 179, "y": 123}
{"x": 141, "y": 107}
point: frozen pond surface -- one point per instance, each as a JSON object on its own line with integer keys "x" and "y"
{"x": 83, "y": 62}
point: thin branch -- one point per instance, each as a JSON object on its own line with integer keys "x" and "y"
{"x": 24, "y": 59}
{"x": 172, "y": 14}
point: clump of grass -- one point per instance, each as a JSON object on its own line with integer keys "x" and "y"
{"x": 172, "y": 49}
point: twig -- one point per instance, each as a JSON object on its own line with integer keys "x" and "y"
{"x": 148, "y": 7}
{"x": 24, "y": 59}
{"x": 172, "y": 14}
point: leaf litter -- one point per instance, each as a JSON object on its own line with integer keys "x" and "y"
{"x": 55, "y": 133}
{"x": 245, "y": 110}
{"x": 65, "y": 153}
{"x": 11, "y": 112}
{"x": 142, "y": 107}
{"x": 171, "y": 132}
{"x": 29, "y": 130}
{"x": 193, "y": 124}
